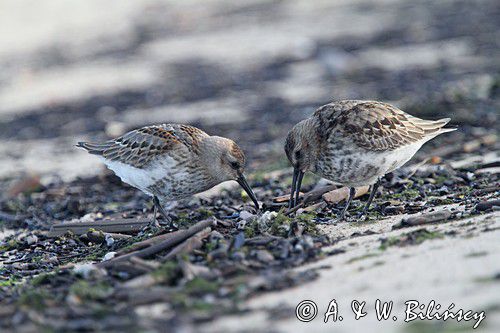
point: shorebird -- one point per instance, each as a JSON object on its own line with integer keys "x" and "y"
{"x": 172, "y": 161}
{"x": 355, "y": 143}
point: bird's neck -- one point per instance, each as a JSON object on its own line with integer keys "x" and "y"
{"x": 308, "y": 136}
{"x": 211, "y": 151}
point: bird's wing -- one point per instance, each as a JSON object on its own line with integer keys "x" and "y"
{"x": 378, "y": 126}
{"x": 141, "y": 146}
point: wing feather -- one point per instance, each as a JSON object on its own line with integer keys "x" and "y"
{"x": 375, "y": 125}
{"x": 141, "y": 146}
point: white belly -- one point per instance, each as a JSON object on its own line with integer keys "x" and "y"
{"x": 144, "y": 178}
{"x": 359, "y": 168}
{"x": 397, "y": 158}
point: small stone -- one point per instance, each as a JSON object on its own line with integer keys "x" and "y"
{"x": 264, "y": 256}
{"x": 90, "y": 217}
{"x": 215, "y": 235}
{"x": 238, "y": 256}
{"x": 109, "y": 256}
{"x": 300, "y": 211}
{"x": 298, "y": 248}
{"x": 240, "y": 225}
{"x": 96, "y": 236}
{"x": 238, "y": 241}
{"x": 244, "y": 215}
{"x": 109, "y": 240}
{"x": 88, "y": 270}
{"x": 267, "y": 216}
{"x": 436, "y": 160}
{"x": 31, "y": 239}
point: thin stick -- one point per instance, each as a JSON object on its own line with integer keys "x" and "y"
{"x": 148, "y": 242}
{"x": 188, "y": 246}
{"x": 117, "y": 225}
{"x": 163, "y": 245}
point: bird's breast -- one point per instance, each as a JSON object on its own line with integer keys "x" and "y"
{"x": 354, "y": 166}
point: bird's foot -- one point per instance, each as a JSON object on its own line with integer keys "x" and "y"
{"x": 154, "y": 224}
{"x": 168, "y": 223}
{"x": 361, "y": 216}
{"x": 152, "y": 227}
{"x": 158, "y": 208}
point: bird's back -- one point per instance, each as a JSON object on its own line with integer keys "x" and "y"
{"x": 375, "y": 126}
{"x": 360, "y": 141}
{"x": 141, "y": 146}
{"x": 153, "y": 158}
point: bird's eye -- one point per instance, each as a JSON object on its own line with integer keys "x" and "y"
{"x": 235, "y": 165}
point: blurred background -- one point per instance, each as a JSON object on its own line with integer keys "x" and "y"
{"x": 244, "y": 69}
{"x": 249, "y": 70}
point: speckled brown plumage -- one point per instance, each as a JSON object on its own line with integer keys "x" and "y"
{"x": 141, "y": 146}
{"x": 172, "y": 161}
{"x": 354, "y": 142}
{"x": 374, "y": 125}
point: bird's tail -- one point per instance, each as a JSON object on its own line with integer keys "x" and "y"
{"x": 94, "y": 148}
{"x": 441, "y": 123}
{"x": 433, "y": 128}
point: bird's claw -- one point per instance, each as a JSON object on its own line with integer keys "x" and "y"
{"x": 362, "y": 215}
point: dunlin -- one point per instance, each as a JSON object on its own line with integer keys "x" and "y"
{"x": 355, "y": 143}
{"x": 172, "y": 161}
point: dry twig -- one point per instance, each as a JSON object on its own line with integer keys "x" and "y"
{"x": 175, "y": 239}
{"x": 114, "y": 226}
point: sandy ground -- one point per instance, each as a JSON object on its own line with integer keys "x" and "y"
{"x": 458, "y": 269}
{"x": 214, "y": 64}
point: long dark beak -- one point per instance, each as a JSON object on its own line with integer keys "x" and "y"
{"x": 243, "y": 183}
{"x": 296, "y": 184}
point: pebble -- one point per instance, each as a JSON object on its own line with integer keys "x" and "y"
{"x": 109, "y": 240}
{"x": 245, "y": 215}
{"x": 239, "y": 241}
{"x": 31, "y": 239}
{"x": 88, "y": 270}
{"x": 238, "y": 256}
{"x": 267, "y": 217}
{"x": 215, "y": 235}
{"x": 109, "y": 256}
{"x": 264, "y": 256}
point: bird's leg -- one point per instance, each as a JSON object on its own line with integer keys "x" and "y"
{"x": 352, "y": 192}
{"x": 158, "y": 207}
{"x": 154, "y": 223}
{"x": 373, "y": 192}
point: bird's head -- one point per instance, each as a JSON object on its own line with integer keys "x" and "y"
{"x": 226, "y": 161}
{"x": 300, "y": 150}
